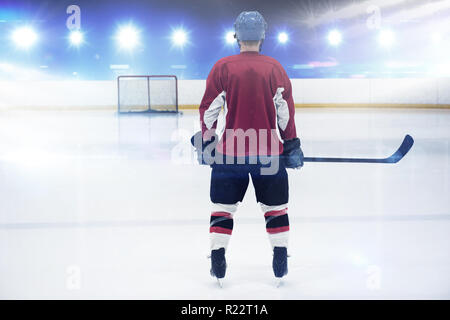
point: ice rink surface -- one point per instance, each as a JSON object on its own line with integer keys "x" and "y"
{"x": 97, "y": 206}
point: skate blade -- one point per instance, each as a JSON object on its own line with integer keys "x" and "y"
{"x": 219, "y": 282}
{"x": 278, "y": 282}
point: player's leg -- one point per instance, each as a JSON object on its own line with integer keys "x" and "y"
{"x": 277, "y": 224}
{"x": 221, "y": 224}
{"x": 228, "y": 186}
{"x": 272, "y": 192}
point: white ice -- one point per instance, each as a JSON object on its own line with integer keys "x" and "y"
{"x": 93, "y": 205}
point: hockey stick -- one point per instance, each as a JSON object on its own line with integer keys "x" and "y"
{"x": 406, "y": 145}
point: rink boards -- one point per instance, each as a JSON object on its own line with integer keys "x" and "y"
{"x": 102, "y": 95}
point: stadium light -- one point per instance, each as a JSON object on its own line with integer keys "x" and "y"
{"x": 229, "y": 37}
{"x": 179, "y": 37}
{"x": 283, "y": 37}
{"x": 76, "y": 38}
{"x": 386, "y": 38}
{"x": 24, "y": 37}
{"x": 127, "y": 37}
{"x": 334, "y": 37}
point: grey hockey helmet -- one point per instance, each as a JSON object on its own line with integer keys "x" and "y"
{"x": 250, "y": 26}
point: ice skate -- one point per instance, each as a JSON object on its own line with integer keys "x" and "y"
{"x": 218, "y": 264}
{"x": 279, "y": 263}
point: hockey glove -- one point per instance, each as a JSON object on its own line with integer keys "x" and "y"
{"x": 293, "y": 154}
{"x": 205, "y": 149}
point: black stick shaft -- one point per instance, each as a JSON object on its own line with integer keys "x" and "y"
{"x": 360, "y": 160}
{"x": 406, "y": 145}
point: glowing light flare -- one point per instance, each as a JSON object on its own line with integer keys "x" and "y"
{"x": 179, "y": 37}
{"x": 229, "y": 37}
{"x": 76, "y": 38}
{"x": 283, "y": 37}
{"x": 334, "y": 37}
{"x": 24, "y": 37}
{"x": 128, "y": 37}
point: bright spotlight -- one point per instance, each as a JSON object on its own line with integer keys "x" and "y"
{"x": 76, "y": 38}
{"x": 179, "y": 37}
{"x": 334, "y": 38}
{"x": 386, "y": 38}
{"x": 229, "y": 37}
{"x": 283, "y": 37}
{"x": 24, "y": 37}
{"x": 128, "y": 37}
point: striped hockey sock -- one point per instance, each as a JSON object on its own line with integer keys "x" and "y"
{"x": 277, "y": 225}
{"x": 221, "y": 227}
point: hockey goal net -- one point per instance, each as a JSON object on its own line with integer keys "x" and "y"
{"x": 152, "y": 93}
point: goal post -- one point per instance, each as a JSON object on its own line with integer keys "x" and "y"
{"x": 147, "y": 93}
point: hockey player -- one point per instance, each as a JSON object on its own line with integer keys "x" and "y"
{"x": 256, "y": 95}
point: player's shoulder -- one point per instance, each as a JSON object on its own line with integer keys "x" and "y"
{"x": 239, "y": 57}
{"x": 269, "y": 59}
{"x": 272, "y": 61}
{"x": 227, "y": 59}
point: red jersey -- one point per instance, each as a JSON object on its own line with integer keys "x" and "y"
{"x": 256, "y": 96}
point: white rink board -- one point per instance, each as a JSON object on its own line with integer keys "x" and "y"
{"x": 103, "y": 94}
{"x": 311, "y": 91}
{"x": 406, "y": 91}
{"x": 58, "y": 94}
